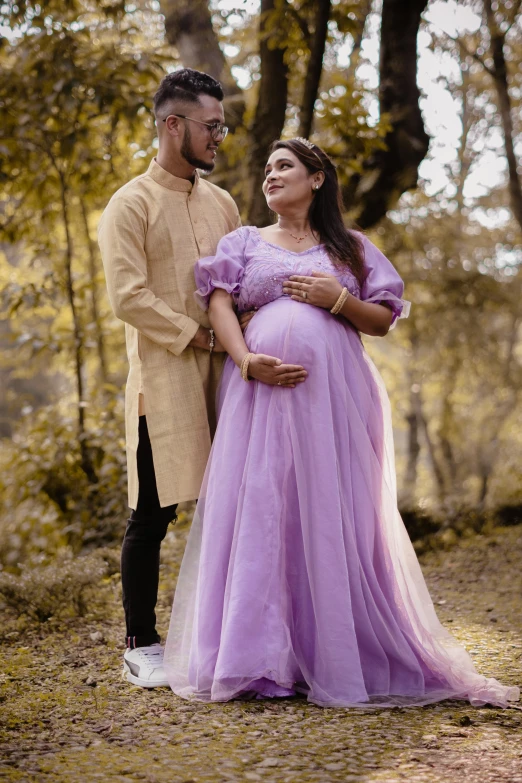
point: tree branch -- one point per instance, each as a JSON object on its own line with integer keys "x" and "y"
{"x": 358, "y": 37}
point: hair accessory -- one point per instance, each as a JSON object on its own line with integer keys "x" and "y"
{"x": 307, "y": 143}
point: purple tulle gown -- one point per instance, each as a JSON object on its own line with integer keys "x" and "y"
{"x": 298, "y": 574}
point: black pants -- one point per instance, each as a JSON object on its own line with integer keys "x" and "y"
{"x": 140, "y": 554}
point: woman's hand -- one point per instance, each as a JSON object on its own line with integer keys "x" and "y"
{"x": 272, "y": 371}
{"x": 320, "y": 289}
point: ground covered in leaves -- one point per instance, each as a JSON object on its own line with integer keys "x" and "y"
{"x": 68, "y": 716}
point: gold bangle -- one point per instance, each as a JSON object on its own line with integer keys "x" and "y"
{"x": 244, "y": 365}
{"x": 343, "y": 296}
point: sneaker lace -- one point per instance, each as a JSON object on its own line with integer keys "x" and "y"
{"x": 152, "y": 656}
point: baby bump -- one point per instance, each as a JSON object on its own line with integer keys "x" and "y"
{"x": 294, "y": 332}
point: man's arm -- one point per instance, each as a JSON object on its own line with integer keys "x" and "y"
{"x": 121, "y": 236}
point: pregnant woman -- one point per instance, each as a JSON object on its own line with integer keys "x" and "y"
{"x": 298, "y": 575}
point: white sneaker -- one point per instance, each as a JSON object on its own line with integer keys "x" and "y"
{"x": 144, "y": 666}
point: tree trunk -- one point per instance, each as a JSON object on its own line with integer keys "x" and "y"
{"x": 410, "y": 479}
{"x": 392, "y": 171}
{"x": 86, "y": 461}
{"x": 438, "y": 474}
{"x": 500, "y": 77}
{"x": 188, "y": 26}
{"x": 488, "y": 456}
{"x": 315, "y": 67}
{"x": 270, "y": 114}
{"x": 446, "y": 429}
{"x": 465, "y": 154}
{"x": 95, "y": 310}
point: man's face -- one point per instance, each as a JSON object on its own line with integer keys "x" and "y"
{"x": 198, "y": 147}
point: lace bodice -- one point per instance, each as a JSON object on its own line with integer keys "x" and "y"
{"x": 253, "y": 271}
{"x": 268, "y": 266}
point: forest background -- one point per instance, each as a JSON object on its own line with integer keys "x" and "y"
{"x": 417, "y": 102}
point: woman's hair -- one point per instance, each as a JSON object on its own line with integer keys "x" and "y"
{"x": 325, "y": 215}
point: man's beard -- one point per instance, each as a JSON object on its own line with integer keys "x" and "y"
{"x": 188, "y": 153}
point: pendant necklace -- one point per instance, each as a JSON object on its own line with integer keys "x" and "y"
{"x": 297, "y": 239}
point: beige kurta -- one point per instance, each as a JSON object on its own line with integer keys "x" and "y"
{"x": 151, "y": 234}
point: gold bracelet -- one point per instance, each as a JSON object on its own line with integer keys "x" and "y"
{"x": 244, "y": 365}
{"x": 338, "y": 306}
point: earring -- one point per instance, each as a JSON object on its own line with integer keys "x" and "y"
{"x": 316, "y": 187}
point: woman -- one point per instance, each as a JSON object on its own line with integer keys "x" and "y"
{"x": 298, "y": 574}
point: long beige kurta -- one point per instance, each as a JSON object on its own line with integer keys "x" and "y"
{"x": 151, "y": 234}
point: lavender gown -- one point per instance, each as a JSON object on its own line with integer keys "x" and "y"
{"x": 298, "y": 573}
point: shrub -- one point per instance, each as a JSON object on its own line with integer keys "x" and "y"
{"x": 46, "y": 499}
{"x": 61, "y": 589}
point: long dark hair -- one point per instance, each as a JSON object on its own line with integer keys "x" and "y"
{"x": 325, "y": 215}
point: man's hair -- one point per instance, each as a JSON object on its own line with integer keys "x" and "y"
{"x": 186, "y": 85}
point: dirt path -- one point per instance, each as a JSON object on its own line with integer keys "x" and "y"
{"x": 68, "y": 716}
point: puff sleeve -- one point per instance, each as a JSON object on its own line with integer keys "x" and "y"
{"x": 224, "y": 270}
{"x": 382, "y": 284}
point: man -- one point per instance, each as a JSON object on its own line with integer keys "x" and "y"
{"x": 151, "y": 234}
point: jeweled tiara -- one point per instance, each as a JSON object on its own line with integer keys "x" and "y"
{"x": 307, "y": 143}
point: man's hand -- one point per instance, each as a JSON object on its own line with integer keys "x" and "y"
{"x": 245, "y": 318}
{"x": 202, "y": 340}
{"x": 270, "y": 370}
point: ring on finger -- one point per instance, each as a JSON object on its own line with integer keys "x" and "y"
{"x": 304, "y": 295}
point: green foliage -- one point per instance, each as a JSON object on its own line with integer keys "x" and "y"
{"x": 46, "y": 500}
{"x": 61, "y": 589}
{"x": 76, "y": 83}
{"x": 348, "y": 134}
{"x": 76, "y": 88}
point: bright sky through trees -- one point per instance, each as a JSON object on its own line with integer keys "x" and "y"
{"x": 440, "y": 110}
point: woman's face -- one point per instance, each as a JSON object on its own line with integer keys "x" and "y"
{"x": 288, "y": 183}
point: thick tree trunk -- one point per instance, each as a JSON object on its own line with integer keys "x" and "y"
{"x": 270, "y": 114}
{"x": 188, "y": 26}
{"x": 500, "y": 77}
{"x": 315, "y": 67}
{"x": 392, "y": 171}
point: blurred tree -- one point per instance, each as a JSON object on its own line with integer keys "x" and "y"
{"x": 499, "y": 24}
{"x": 75, "y": 97}
{"x": 314, "y": 69}
{"x": 188, "y": 27}
{"x": 495, "y": 46}
{"x": 270, "y": 112}
{"x": 292, "y": 39}
{"x": 393, "y": 168}
{"x": 76, "y": 83}
{"x": 461, "y": 257}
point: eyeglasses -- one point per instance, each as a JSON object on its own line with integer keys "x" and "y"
{"x": 216, "y": 128}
